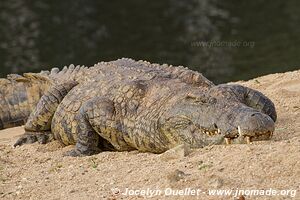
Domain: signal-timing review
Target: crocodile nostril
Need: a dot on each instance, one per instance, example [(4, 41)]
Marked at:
[(215, 126), (252, 115)]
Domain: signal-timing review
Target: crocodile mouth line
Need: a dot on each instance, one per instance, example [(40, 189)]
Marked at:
[(247, 138)]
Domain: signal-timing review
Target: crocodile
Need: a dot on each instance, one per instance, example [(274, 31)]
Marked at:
[(125, 105)]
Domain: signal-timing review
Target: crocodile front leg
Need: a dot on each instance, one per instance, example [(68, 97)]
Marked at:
[(88, 139), (98, 129), (38, 126)]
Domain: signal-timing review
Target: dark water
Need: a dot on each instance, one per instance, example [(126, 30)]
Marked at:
[(225, 40)]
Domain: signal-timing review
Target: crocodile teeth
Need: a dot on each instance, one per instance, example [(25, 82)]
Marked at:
[(228, 140), (248, 140), (239, 130)]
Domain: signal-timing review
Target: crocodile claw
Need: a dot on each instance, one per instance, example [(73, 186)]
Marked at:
[(29, 138), (26, 139), (248, 140), (73, 153), (77, 153)]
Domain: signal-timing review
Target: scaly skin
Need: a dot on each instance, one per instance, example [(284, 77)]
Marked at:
[(127, 104), (18, 97)]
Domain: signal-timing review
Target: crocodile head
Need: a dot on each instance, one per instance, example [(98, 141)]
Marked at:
[(222, 114)]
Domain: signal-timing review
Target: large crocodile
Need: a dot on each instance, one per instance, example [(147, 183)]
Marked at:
[(126, 104)]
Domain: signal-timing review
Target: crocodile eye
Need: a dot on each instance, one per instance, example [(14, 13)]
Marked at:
[(179, 122), (182, 124), (195, 99)]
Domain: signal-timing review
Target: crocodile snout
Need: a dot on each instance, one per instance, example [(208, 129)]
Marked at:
[(251, 126), (256, 126)]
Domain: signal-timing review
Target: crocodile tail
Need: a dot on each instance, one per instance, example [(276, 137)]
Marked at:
[(72, 72), (18, 96)]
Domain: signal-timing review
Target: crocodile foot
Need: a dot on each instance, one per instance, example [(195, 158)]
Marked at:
[(77, 153), (32, 137), (73, 153), (82, 150)]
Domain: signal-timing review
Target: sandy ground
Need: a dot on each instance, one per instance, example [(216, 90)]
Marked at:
[(41, 172)]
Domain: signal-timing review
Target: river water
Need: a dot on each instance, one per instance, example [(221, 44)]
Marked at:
[(225, 40)]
